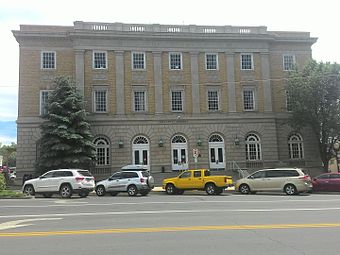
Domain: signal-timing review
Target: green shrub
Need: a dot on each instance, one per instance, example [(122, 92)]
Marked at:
[(2, 182)]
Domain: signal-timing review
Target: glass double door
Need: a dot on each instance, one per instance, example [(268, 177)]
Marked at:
[(179, 158), (216, 155), (141, 155)]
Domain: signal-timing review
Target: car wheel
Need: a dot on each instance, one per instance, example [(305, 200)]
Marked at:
[(219, 191), (114, 194), (210, 188), (290, 189), (170, 189), (65, 191), (29, 190), (83, 194), (47, 195), (132, 190), (180, 191), (100, 191), (244, 189), (144, 193)]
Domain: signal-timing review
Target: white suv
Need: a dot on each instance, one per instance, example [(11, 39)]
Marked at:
[(62, 181), (132, 182)]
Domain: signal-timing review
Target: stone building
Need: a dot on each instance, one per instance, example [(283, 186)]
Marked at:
[(161, 94)]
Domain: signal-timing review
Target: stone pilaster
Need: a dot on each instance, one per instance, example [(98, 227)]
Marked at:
[(120, 102), (80, 73), (267, 92), (157, 70), (231, 81), (195, 83)]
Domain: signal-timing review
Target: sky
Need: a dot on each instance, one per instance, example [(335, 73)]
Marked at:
[(320, 18)]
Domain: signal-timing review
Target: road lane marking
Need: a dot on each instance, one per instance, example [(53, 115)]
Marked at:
[(167, 212), (83, 204), (20, 223), (168, 229)]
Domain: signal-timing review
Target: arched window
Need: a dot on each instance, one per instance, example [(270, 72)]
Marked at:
[(103, 151), (253, 147), (140, 140), (178, 139), (215, 139), (295, 146)]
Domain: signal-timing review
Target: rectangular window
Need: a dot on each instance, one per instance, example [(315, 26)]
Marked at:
[(288, 62), (44, 101), (99, 60), (138, 61), (246, 62), (48, 60), (288, 102), (100, 101), (176, 100), (175, 61), (139, 101), (211, 61), (213, 100), (248, 100)]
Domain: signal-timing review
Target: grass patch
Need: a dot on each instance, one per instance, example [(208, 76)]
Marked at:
[(11, 194)]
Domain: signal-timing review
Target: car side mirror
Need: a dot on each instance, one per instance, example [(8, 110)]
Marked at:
[(251, 177)]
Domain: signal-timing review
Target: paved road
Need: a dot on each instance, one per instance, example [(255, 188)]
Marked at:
[(193, 223)]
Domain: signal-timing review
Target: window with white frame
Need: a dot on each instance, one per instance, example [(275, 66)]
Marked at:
[(99, 60), (139, 100), (289, 106), (295, 146), (248, 99), (213, 100), (176, 100), (138, 60), (175, 61), (48, 60), (247, 61), (288, 62), (44, 102), (102, 151), (253, 147), (100, 100), (211, 61)]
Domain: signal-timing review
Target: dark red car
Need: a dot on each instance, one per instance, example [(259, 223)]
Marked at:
[(327, 182)]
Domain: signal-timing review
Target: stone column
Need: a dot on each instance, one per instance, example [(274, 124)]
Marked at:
[(157, 73), (231, 81), (80, 72), (267, 92), (195, 89), (120, 102)]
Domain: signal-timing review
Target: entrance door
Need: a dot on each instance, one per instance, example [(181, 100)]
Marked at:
[(179, 153), (216, 152), (140, 151)]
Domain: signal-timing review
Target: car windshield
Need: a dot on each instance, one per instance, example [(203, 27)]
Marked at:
[(84, 172)]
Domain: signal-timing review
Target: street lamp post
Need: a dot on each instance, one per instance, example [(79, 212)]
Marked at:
[(336, 147)]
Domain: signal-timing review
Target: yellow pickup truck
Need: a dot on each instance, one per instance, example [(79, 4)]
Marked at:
[(199, 179)]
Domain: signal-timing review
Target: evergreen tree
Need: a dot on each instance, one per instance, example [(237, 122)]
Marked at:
[(66, 140), (314, 94)]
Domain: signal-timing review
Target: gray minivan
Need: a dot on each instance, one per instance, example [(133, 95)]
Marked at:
[(289, 180)]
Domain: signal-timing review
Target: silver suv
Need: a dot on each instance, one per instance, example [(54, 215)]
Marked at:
[(289, 180), (62, 181), (132, 182)]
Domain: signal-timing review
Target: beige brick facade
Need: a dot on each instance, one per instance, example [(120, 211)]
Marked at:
[(74, 49)]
